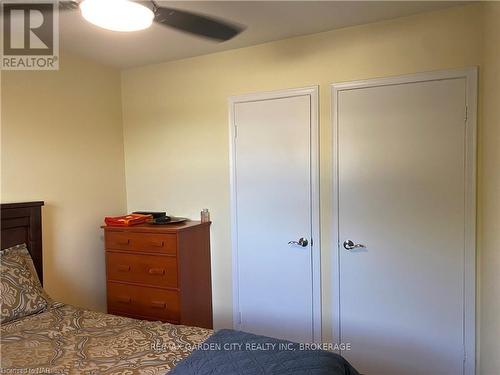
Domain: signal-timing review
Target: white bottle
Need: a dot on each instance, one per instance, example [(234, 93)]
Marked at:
[(205, 215)]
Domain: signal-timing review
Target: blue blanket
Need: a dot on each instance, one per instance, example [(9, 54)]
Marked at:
[(229, 352)]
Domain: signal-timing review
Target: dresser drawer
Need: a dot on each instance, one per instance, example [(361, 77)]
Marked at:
[(148, 302), (151, 242), (153, 270)]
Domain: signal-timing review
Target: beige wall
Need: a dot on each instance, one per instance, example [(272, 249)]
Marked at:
[(489, 194), (62, 142), (176, 124)]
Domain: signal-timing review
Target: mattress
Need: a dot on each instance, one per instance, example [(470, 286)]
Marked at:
[(70, 340)]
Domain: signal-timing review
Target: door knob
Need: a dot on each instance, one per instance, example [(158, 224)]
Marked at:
[(350, 245), (301, 242)]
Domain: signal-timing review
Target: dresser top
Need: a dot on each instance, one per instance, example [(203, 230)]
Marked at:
[(149, 228)]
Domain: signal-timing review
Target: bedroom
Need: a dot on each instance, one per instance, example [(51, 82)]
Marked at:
[(124, 125)]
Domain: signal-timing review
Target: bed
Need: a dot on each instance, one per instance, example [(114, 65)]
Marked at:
[(63, 339)]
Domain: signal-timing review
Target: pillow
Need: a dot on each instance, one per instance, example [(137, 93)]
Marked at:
[(21, 293)]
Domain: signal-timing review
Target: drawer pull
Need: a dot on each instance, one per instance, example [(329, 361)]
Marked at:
[(123, 299), (123, 268), (158, 305), (158, 243), (156, 271), (123, 242)]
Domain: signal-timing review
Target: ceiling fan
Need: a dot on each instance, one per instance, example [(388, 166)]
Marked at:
[(127, 15)]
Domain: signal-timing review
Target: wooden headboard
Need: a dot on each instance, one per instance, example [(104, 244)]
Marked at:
[(22, 223)]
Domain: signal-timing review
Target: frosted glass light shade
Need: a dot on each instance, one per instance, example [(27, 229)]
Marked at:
[(117, 15)]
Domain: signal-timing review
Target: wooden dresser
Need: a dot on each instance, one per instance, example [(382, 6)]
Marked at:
[(160, 272)]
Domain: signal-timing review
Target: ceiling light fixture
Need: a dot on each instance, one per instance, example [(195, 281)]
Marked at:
[(117, 15)]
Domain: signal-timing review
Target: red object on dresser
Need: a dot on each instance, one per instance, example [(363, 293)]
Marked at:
[(127, 220)]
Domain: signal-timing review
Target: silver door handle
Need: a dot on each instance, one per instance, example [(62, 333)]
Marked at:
[(350, 245), (301, 242)]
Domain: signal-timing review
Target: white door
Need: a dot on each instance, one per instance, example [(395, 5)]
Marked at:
[(402, 199), (273, 205)]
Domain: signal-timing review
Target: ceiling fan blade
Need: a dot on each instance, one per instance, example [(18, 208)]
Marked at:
[(196, 23), (68, 5)]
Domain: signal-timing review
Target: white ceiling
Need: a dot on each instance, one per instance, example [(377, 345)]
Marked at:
[(265, 20)]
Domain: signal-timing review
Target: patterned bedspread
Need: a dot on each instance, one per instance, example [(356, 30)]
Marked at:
[(69, 340)]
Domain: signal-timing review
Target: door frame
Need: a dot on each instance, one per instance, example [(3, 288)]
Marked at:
[(313, 93), (469, 287)]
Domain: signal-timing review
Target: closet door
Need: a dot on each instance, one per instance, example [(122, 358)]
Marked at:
[(402, 226), (273, 205)]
